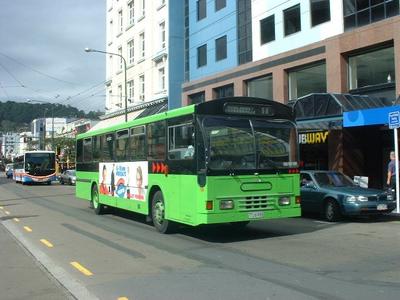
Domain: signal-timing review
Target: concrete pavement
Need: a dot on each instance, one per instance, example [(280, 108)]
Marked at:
[(22, 277)]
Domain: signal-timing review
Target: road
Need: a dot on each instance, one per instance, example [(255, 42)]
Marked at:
[(119, 256)]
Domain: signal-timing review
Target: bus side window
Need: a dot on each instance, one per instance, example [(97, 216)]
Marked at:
[(156, 140), (79, 151), (121, 145), (181, 142), (137, 145), (107, 147), (96, 148), (87, 150)]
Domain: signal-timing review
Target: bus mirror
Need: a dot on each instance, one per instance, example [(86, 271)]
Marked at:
[(202, 177)]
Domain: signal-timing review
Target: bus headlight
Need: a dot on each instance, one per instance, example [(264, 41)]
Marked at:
[(284, 200), (226, 204)]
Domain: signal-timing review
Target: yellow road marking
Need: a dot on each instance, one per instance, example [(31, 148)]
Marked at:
[(7, 212), (27, 228), (16, 219), (47, 243), (81, 268), (123, 298)]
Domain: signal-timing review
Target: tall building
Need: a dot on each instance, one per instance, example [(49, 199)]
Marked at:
[(333, 59), (150, 37), (9, 145)]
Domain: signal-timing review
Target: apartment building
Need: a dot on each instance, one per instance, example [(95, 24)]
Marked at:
[(149, 36)]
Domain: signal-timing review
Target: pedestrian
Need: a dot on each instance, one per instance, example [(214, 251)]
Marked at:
[(391, 175)]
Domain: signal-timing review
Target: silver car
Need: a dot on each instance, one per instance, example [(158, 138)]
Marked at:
[(68, 176)]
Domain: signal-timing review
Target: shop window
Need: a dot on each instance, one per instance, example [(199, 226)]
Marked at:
[(307, 80), (320, 12), (358, 13), (196, 98), (260, 87), (292, 20), (267, 29), (224, 91), (372, 68)]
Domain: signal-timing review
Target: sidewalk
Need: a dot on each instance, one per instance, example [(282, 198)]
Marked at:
[(21, 276)]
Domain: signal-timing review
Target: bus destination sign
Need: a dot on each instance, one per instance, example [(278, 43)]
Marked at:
[(247, 109)]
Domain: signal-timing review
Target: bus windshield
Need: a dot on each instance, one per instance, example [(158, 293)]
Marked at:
[(40, 163), (243, 144)]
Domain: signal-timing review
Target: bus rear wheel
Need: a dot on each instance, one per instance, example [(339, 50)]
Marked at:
[(97, 206), (158, 214)]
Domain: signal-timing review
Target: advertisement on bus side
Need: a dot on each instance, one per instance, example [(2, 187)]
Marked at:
[(124, 180)]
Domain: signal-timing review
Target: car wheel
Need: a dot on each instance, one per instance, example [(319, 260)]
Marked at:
[(158, 214), (97, 206), (332, 211)]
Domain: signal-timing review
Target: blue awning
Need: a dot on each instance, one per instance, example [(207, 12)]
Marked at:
[(371, 116)]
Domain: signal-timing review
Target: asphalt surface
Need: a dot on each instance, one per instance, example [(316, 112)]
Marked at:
[(119, 256)]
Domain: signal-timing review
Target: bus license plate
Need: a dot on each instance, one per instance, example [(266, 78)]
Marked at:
[(382, 207), (256, 215)]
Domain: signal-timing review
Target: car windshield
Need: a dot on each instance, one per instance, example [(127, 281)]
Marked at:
[(71, 172), (335, 179), (235, 143)]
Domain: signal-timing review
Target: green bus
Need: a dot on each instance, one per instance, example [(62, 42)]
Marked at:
[(230, 160)]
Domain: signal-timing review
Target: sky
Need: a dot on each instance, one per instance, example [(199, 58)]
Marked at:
[(42, 52)]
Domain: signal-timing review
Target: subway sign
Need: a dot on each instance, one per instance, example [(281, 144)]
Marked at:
[(309, 138)]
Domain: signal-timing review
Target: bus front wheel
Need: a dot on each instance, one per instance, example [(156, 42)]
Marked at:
[(97, 206), (158, 214)]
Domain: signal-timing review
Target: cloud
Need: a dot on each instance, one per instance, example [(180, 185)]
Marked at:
[(47, 36)]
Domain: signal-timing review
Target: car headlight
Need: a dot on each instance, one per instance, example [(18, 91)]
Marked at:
[(284, 200), (352, 199)]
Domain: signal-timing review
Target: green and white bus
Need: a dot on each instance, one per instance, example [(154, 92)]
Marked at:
[(230, 160)]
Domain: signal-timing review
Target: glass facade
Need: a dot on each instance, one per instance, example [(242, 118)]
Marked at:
[(260, 87), (307, 80), (363, 12), (245, 48)]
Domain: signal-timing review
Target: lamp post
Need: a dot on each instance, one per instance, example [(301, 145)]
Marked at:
[(52, 122), (125, 83)]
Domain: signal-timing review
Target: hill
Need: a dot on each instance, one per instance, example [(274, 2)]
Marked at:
[(16, 116)]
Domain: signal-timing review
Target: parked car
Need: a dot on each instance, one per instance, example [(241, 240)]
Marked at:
[(334, 195), (68, 176)]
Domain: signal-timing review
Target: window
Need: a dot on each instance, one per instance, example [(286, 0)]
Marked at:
[(267, 29), (107, 147), (142, 45), (96, 148), (162, 35), (307, 80), (131, 91), (121, 145), (120, 58), (202, 56), (141, 84), (260, 87), (320, 12), (219, 4), (244, 31), (131, 52), (156, 140), (137, 139), (196, 98), (87, 150), (358, 13), (120, 22), (224, 91), (220, 48), (119, 104), (292, 20), (161, 78), (79, 151), (131, 9), (372, 68), (201, 9), (181, 142)]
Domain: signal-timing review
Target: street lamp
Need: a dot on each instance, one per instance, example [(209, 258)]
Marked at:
[(52, 122), (123, 59)]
